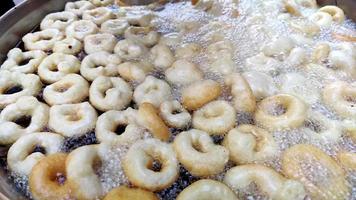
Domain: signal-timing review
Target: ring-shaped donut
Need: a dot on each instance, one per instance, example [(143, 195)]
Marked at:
[(267, 180), (110, 93), (42, 40), (99, 64), (215, 118), (144, 35), (281, 111), (200, 93), (130, 50), (58, 20), (161, 56), (72, 88), (78, 7), (56, 66), (207, 189), (300, 158), (198, 154), (139, 161), (14, 85), (98, 15), (47, 178), (101, 2), (249, 144), (141, 18), (126, 193), (81, 173), (80, 29), (244, 100), (23, 62), (174, 114), (115, 27), (99, 42), (72, 119), (13, 118), (21, 156), (340, 97), (322, 19), (153, 91), (148, 117), (183, 72), (336, 13), (135, 71), (113, 120), (68, 46)]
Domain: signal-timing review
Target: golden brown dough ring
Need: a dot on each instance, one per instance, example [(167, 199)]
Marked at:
[(150, 119), (45, 180), (299, 158), (244, 100), (292, 116), (200, 93), (126, 193), (347, 160)]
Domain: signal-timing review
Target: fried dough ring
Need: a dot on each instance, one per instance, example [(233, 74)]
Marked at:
[(126, 193)]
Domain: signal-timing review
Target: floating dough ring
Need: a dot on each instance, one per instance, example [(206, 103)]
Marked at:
[(116, 27), (78, 7), (198, 154), (188, 50), (80, 29), (153, 91), (267, 180), (126, 193), (139, 160), (135, 71), (148, 117), (98, 15), (281, 111), (244, 100), (21, 156), (322, 19), (347, 160), (248, 144), (200, 93), (57, 65), (116, 120), (334, 184), (336, 13), (68, 46), (110, 93), (130, 50), (220, 49), (58, 20), (207, 189), (99, 64), (72, 119), (42, 40), (81, 173), (47, 176), (23, 62), (99, 42), (162, 56), (25, 108), (340, 97), (139, 18), (143, 35), (174, 114), (215, 118), (183, 72), (14, 85), (72, 88)]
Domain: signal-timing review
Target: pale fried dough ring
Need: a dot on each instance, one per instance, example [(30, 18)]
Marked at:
[(216, 117), (198, 154), (336, 13), (200, 93), (68, 46), (135, 71), (150, 119), (99, 42), (98, 15), (126, 193), (42, 40), (248, 144), (183, 72), (244, 100), (43, 179), (207, 189), (174, 114), (293, 114), (78, 7), (334, 184), (139, 160), (268, 180), (143, 35), (80, 29), (58, 20)]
